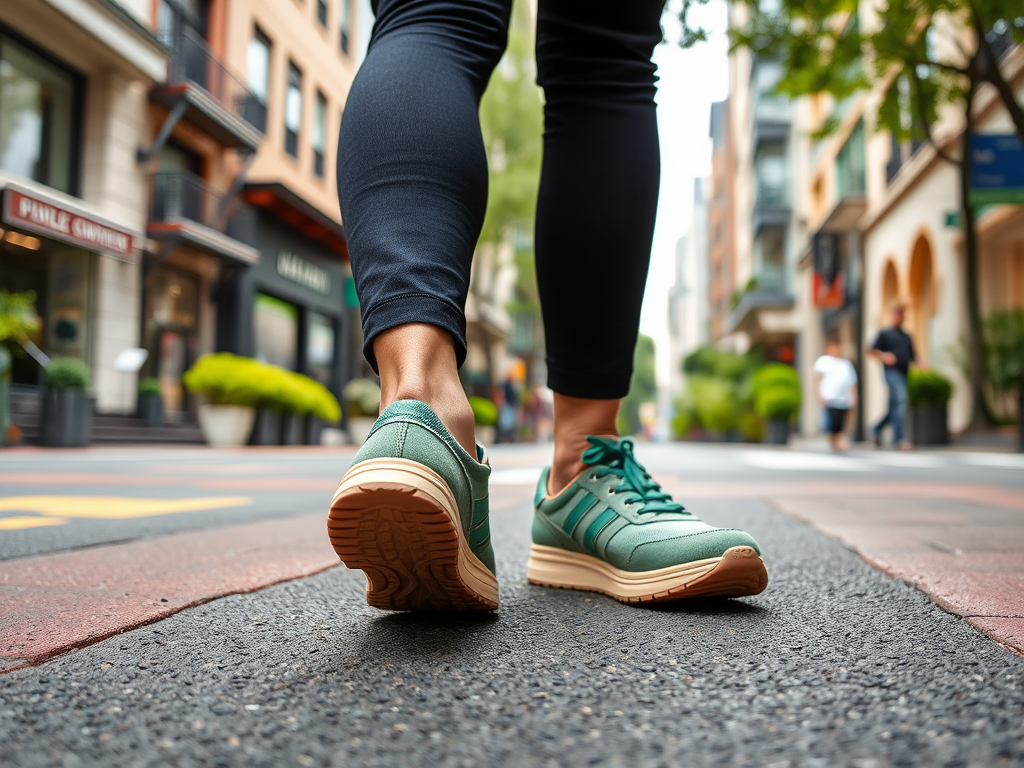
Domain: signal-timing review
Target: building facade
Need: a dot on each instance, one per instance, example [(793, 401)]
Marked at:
[(167, 176), (74, 83)]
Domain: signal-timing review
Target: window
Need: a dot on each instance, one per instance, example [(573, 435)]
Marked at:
[(257, 64), (275, 331), (321, 12), (319, 134), (772, 175), (38, 126), (850, 164), (346, 25), (320, 343), (293, 111)]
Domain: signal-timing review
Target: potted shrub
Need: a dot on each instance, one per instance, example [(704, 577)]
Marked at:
[(714, 405), (777, 397), (18, 321), (150, 406), (485, 415), (67, 409), (230, 386), (362, 406), (928, 395)]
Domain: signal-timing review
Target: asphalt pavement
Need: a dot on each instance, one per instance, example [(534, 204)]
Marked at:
[(835, 664)]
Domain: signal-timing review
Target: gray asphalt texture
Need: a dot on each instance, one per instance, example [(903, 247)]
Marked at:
[(836, 664)]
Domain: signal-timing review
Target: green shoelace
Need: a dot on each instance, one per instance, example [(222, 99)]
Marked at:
[(615, 457)]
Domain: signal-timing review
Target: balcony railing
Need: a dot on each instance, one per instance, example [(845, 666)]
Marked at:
[(769, 108), (771, 279), (772, 196), (192, 61), (177, 196)]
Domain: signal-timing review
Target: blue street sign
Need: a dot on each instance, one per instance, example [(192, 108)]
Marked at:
[(997, 169)]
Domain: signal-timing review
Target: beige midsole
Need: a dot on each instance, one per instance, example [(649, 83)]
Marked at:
[(405, 473), (560, 568)]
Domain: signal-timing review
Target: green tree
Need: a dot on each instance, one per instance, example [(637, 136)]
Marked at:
[(643, 387), (922, 55)]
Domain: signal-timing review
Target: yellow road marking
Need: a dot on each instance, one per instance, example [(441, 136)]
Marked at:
[(18, 523), (57, 509)]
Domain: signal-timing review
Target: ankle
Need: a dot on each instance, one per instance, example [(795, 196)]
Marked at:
[(576, 419), (417, 362)]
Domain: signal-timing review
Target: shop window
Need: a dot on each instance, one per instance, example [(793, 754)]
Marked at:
[(171, 309), (293, 111), (346, 25), (59, 276), (320, 342), (319, 134), (276, 331), (38, 127)]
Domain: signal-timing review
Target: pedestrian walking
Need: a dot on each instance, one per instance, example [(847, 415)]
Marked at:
[(412, 511), (895, 348), (837, 391)]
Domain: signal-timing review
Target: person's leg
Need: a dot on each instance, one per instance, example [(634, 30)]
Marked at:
[(890, 407), (899, 408), (596, 207), (412, 181)]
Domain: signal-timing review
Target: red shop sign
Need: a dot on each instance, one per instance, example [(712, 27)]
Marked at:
[(45, 217)]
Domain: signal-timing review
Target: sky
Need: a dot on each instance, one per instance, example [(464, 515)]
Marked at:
[(689, 81)]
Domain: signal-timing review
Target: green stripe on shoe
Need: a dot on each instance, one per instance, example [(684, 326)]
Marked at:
[(583, 506), (595, 527)]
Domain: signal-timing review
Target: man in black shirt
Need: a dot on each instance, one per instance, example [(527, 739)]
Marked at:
[(895, 349)]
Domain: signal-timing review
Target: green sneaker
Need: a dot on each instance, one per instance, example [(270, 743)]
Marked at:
[(613, 530), (411, 513)]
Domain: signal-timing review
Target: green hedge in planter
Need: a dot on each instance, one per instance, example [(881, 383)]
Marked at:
[(225, 379), (714, 403), (776, 391), (66, 373), (928, 388), (484, 411), (149, 386)]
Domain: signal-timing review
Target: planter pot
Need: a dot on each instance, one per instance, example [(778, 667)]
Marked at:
[(66, 418), (312, 430), (292, 428), (486, 434), (226, 426), (267, 428), (358, 428), (777, 431), (929, 425), (151, 410)]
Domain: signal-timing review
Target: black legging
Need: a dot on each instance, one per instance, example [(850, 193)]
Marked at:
[(412, 174)]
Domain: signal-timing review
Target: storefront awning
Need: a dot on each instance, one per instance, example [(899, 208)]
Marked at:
[(47, 212), (297, 212)]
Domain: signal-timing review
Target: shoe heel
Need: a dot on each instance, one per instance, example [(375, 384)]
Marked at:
[(398, 522)]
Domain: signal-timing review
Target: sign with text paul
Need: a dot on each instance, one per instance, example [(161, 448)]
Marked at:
[(997, 169)]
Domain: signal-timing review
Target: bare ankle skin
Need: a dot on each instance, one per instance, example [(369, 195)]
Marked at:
[(575, 419), (417, 362)]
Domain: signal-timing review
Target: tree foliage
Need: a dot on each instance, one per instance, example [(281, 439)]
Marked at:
[(643, 387), (512, 123)]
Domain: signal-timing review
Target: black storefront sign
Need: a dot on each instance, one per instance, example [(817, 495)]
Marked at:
[(289, 308)]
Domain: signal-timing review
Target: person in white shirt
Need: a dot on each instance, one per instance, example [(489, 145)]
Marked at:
[(837, 391)]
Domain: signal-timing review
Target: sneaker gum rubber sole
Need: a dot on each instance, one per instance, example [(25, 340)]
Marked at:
[(398, 522), (737, 573)]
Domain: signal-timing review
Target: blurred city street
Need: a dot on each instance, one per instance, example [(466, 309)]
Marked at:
[(202, 618)]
